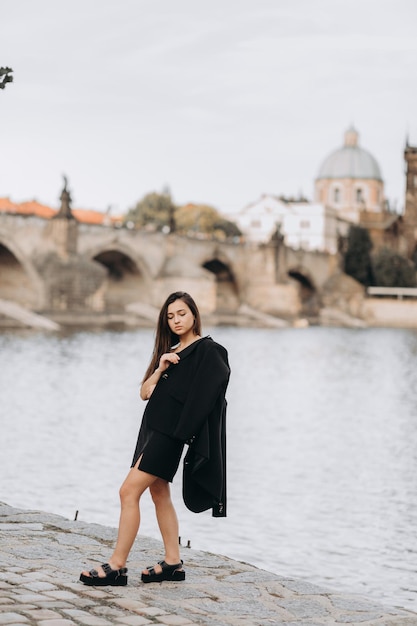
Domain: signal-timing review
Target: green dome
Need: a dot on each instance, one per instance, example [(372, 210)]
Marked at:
[(351, 161)]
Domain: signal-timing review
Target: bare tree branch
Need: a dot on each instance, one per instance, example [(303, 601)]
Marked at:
[(5, 76)]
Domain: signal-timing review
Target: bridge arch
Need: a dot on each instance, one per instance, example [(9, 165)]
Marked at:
[(128, 277), (19, 280), (309, 296), (227, 292)]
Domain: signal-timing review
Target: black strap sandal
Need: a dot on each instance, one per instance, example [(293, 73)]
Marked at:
[(169, 572), (114, 577)]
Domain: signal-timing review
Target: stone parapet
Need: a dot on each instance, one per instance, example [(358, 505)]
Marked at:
[(390, 312)]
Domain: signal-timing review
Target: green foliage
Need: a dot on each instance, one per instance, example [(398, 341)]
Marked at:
[(230, 229), (201, 218), (357, 258), (194, 217), (393, 270), (156, 209)]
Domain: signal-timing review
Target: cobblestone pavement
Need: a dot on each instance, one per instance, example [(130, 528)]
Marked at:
[(41, 556)]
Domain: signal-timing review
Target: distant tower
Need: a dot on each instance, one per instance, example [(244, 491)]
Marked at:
[(350, 180), (63, 227), (410, 213)]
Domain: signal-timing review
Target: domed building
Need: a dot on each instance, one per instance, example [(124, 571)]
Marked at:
[(350, 181)]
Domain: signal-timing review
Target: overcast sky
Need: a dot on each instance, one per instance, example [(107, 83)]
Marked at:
[(219, 100)]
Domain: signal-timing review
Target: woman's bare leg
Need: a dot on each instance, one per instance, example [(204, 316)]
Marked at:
[(167, 521), (135, 483)]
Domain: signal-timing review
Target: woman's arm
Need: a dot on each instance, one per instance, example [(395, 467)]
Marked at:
[(150, 383)]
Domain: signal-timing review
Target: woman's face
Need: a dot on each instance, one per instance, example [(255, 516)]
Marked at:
[(180, 318)]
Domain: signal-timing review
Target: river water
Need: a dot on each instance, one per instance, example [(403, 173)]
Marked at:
[(322, 446)]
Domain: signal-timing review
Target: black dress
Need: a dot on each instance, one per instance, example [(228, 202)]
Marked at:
[(188, 406), (161, 454)]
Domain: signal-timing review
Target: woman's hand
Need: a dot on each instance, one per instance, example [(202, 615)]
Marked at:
[(164, 362)]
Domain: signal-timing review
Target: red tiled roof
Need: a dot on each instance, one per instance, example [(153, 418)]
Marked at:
[(26, 208), (33, 207), (7, 206), (88, 216)]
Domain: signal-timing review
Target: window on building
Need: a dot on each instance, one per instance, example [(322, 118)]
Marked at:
[(359, 195), (304, 224), (336, 195)]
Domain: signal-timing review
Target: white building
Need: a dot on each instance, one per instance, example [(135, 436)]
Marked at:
[(310, 226)]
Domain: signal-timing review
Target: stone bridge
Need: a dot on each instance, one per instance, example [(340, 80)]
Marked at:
[(66, 269)]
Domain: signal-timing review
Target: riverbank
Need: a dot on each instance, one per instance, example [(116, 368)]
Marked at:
[(376, 313), (41, 556)]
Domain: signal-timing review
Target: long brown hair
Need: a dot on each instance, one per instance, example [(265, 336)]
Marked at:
[(165, 338)]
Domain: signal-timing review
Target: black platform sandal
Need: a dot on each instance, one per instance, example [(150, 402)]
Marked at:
[(114, 577), (169, 572)]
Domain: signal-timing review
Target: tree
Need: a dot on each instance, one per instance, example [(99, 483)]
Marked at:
[(230, 229), (5, 76), (201, 218), (156, 209), (357, 259), (393, 270)]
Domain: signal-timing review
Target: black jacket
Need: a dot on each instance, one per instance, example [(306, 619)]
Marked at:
[(189, 404)]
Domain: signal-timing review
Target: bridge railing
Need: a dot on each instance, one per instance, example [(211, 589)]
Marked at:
[(393, 292)]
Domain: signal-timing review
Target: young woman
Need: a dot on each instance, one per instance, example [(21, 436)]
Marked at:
[(185, 386)]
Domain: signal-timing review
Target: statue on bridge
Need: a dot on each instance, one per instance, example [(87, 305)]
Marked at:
[(65, 209)]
